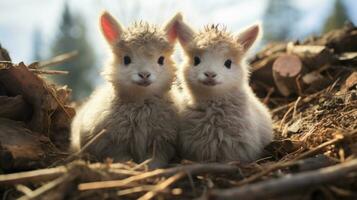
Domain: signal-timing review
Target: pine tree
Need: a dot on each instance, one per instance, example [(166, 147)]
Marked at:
[(37, 44), (71, 37), (337, 18), (279, 17)]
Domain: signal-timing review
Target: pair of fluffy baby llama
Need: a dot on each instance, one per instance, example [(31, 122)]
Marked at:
[(213, 116)]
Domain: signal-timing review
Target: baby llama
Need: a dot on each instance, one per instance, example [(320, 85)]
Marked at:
[(135, 106)]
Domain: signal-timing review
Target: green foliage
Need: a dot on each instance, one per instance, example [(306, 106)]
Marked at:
[(279, 19), (72, 36), (337, 18)]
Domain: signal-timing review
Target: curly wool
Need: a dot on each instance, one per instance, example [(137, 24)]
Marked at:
[(215, 36), (146, 36)]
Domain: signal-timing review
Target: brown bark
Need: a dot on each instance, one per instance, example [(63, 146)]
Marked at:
[(312, 56), (316, 54), (20, 81), (340, 40), (283, 186), (20, 148), (14, 108), (42, 110)]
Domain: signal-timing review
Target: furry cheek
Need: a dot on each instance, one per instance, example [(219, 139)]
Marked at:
[(200, 76), (192, 77), (135, 77)]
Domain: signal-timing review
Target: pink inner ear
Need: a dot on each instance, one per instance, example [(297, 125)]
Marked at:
[(109, 30), (172, 33), (248, 37)]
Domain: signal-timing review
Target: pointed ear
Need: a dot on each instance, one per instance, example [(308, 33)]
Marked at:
[(247, 37), (185, 33), (110, 28), (170, 28)]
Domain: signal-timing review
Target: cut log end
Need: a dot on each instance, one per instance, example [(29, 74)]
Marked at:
[(286, 69), (287, 65)]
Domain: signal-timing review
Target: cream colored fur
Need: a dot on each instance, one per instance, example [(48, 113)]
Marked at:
[(140, 122), (224, 122)]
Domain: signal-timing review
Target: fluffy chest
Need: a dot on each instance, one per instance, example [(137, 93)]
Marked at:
[(136, 127), (212, 132), (215, 121), (141, 120)]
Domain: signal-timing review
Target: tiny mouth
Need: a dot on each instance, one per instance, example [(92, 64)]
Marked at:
[(143, 83), (209, 82)]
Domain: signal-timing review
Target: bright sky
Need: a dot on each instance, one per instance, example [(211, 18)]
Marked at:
[(19, 18)]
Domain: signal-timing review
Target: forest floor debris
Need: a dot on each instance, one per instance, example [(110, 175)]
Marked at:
[(310, 86)]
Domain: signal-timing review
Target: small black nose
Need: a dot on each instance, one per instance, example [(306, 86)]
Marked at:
[(210, 74), (144, 75)]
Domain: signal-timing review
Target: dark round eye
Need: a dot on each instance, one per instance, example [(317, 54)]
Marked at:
[(196, 60), (161, 60), (127, 60), (228, 63)]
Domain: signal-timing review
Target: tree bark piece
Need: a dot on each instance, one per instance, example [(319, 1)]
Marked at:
[(286, 185), (340, 40), (312, 56), (313, 163), (351, 81), (262, 65), (20, 149), (335, 48), (14, 108), (18, 80)]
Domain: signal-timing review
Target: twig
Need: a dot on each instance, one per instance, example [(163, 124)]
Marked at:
[(31, 176), (310, 132), (162, 186), (192, 184), (24, 189), (267, 97), (329, 89), (90, 142), (118, 183), (298, 84), (191, 169), (304, 100), (85, 147), (142, 164), (48, 186), (284, 118), (58, 59), (124, 172), (295, 107), (273, 188), (47, 174), (289, 163), (61, 104), (49, 72), (317, 149), (133, 190)]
